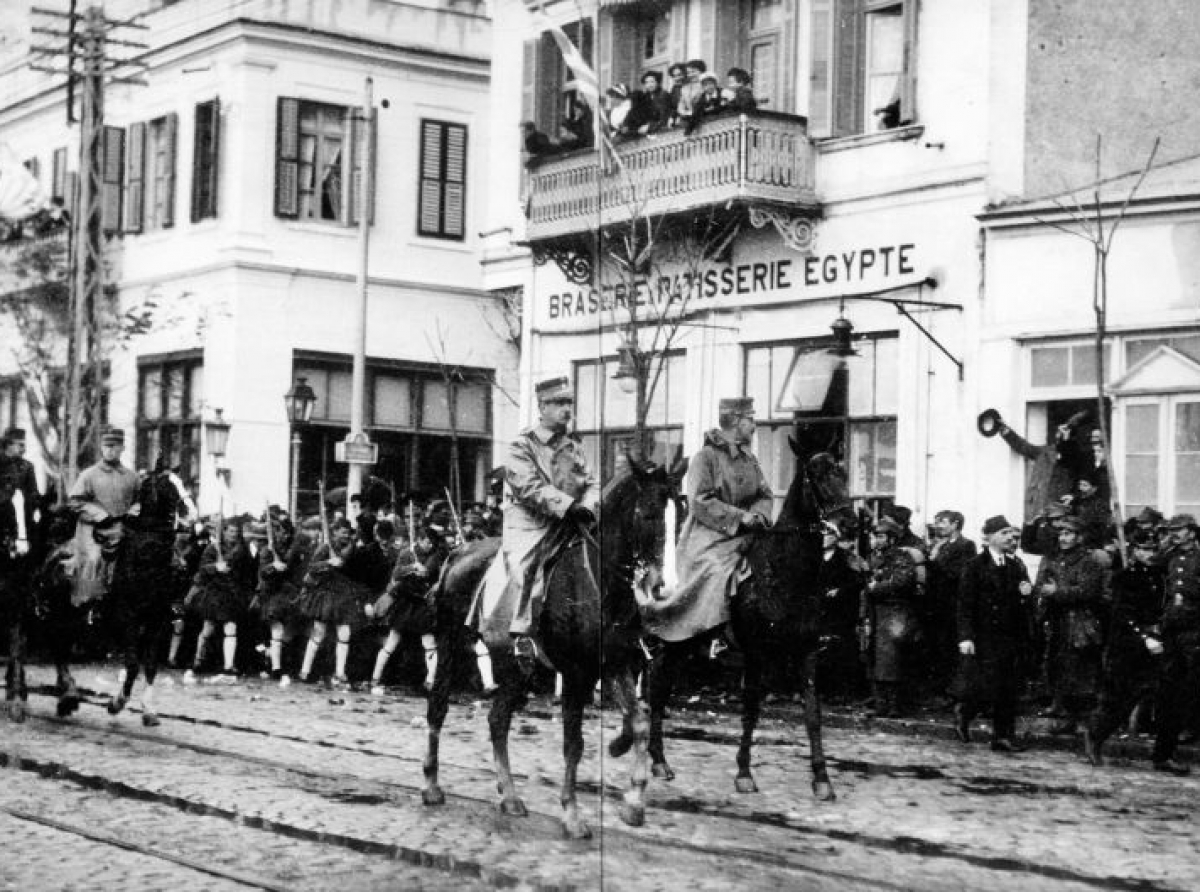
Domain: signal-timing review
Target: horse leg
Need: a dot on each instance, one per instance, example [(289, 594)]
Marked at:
[(751, 700), (633, 808), (435, 715), (16, 692), (577, 690), (151, 641), (509, 698), (131, 633), (660, 675), (66, 621), (822, 788)]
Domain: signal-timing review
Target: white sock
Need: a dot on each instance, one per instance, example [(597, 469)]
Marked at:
[(230, 643), (276, 653), (381, 661), (148, 698), (483, 660), (340, 653), (310, 654)]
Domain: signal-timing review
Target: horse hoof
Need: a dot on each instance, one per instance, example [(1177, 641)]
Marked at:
[(116, 704), (663, 771), (745, 784), (433, 796), (514, 807), (620, 745), (633, 815), (66, 706), (823, 791), (576, 830), (150, 720)]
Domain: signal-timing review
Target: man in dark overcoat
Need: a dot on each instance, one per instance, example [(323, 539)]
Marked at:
[(993, 634), (948, 554), (1181, 639), (891, 609)]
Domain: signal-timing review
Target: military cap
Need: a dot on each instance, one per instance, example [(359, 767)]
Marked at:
[(14, 435), (1182, 521), (556, 389), (888, 526), (112, 434), (995, 524), (899, 513), (1142, 538), (1149, 516), (736, 405), (1070, 522)]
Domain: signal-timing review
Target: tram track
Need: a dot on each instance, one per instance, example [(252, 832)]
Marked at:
[(618, 836)]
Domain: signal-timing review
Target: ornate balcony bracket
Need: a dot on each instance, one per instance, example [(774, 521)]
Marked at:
[(572, 259), (798, 230)]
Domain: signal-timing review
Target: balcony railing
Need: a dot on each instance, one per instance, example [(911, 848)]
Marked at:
[(762, 158)]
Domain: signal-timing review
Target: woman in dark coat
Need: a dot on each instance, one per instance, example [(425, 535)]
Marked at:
[(993, 617)]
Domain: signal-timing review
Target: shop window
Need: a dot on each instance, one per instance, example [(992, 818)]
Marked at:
[(863, 66), (1071, 365), (443, 185), (842, 405), (318, 161), (606, 416), (170, 398)]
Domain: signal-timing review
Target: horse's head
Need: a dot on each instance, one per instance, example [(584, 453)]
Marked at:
[(634, 511), (819, 490), (163, 499)]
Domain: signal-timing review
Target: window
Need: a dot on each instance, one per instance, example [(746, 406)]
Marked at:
[(843, 406), (443, 185), (863, 66), (112, 152), (206, 141), (318, 161), (170, 397), (549, 88), (1162, 454), (10, 396), (58, 180), (150, 174), (605, 416)]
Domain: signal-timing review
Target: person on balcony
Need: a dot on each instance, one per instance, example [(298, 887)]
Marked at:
[(689, 95), (578, 128), (710, 101), (738, 95), (652, 106), (678, 74)]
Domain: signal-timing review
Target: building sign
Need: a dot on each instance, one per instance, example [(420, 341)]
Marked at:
[(710, 285)]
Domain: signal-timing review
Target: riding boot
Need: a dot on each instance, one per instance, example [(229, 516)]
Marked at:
[(483, 659)]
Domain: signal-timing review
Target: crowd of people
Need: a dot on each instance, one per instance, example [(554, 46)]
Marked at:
[(692, 95)]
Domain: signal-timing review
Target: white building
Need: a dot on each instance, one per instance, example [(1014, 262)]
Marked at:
[(230, 201), (898, 146)]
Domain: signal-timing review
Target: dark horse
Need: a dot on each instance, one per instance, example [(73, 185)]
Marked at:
[(143, 582), (775, 613), (589, 628)]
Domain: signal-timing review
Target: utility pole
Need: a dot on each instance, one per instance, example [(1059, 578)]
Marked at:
[(88, 63), (357, 448)]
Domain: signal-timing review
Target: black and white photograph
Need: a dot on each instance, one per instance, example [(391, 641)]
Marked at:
[(599, 445)]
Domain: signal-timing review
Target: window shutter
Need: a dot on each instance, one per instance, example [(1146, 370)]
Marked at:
[(356, 152), (206, 147), (529, 80), (170, 133), (135, 172), (71, 198), (58, 181), (847, 72), (548, 81), (112, 158), (287, 157), (454, 215), (820, 75), (908, 89), (431, 178)]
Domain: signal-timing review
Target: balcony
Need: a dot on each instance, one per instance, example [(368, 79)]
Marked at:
[(757, 159)]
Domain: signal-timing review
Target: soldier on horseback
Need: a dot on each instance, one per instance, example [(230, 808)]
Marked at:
[(18, 502), (548, 481)]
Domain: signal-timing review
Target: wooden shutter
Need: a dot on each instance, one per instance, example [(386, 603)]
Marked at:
[(908, 87), (356, 161), (112, 158), (135, 177), (170, 132), (820, 76), (205, 159), (529, 80), (58, 178), (287, 157), (443, 192), (549, 83), (847, 71), (455, 202)]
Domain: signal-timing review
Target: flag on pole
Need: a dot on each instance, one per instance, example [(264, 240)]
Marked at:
[(20, 192), (586, 80)]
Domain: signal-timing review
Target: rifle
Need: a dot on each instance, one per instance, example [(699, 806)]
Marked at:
[(454, 515), (412, 527), (271, 534), (219, 533), (324, 517)]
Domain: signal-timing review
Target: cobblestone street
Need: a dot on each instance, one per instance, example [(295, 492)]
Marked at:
[(250, 786)]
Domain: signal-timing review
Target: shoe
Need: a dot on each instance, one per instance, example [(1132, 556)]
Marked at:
[(189, 677), (285, 681), (1003, 745), (264, 675), (962, 727), (1170, 766), (228, 676), (339, 683), (1091, 748), (525, 653), (377, 690), (117, 703)]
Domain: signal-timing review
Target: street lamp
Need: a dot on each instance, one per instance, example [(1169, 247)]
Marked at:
[(216, 442), (630, 367), (298, 402)]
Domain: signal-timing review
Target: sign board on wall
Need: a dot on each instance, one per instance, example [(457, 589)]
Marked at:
[(762, 280)]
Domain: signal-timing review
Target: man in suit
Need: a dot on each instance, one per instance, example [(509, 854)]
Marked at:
[(993, 634)]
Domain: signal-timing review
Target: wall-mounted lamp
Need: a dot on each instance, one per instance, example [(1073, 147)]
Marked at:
[(216, 442)]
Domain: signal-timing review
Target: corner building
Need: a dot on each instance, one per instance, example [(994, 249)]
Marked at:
[(230, 200), (879, 182)]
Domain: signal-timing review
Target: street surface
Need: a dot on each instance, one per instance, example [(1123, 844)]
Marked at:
[(253, 787)]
